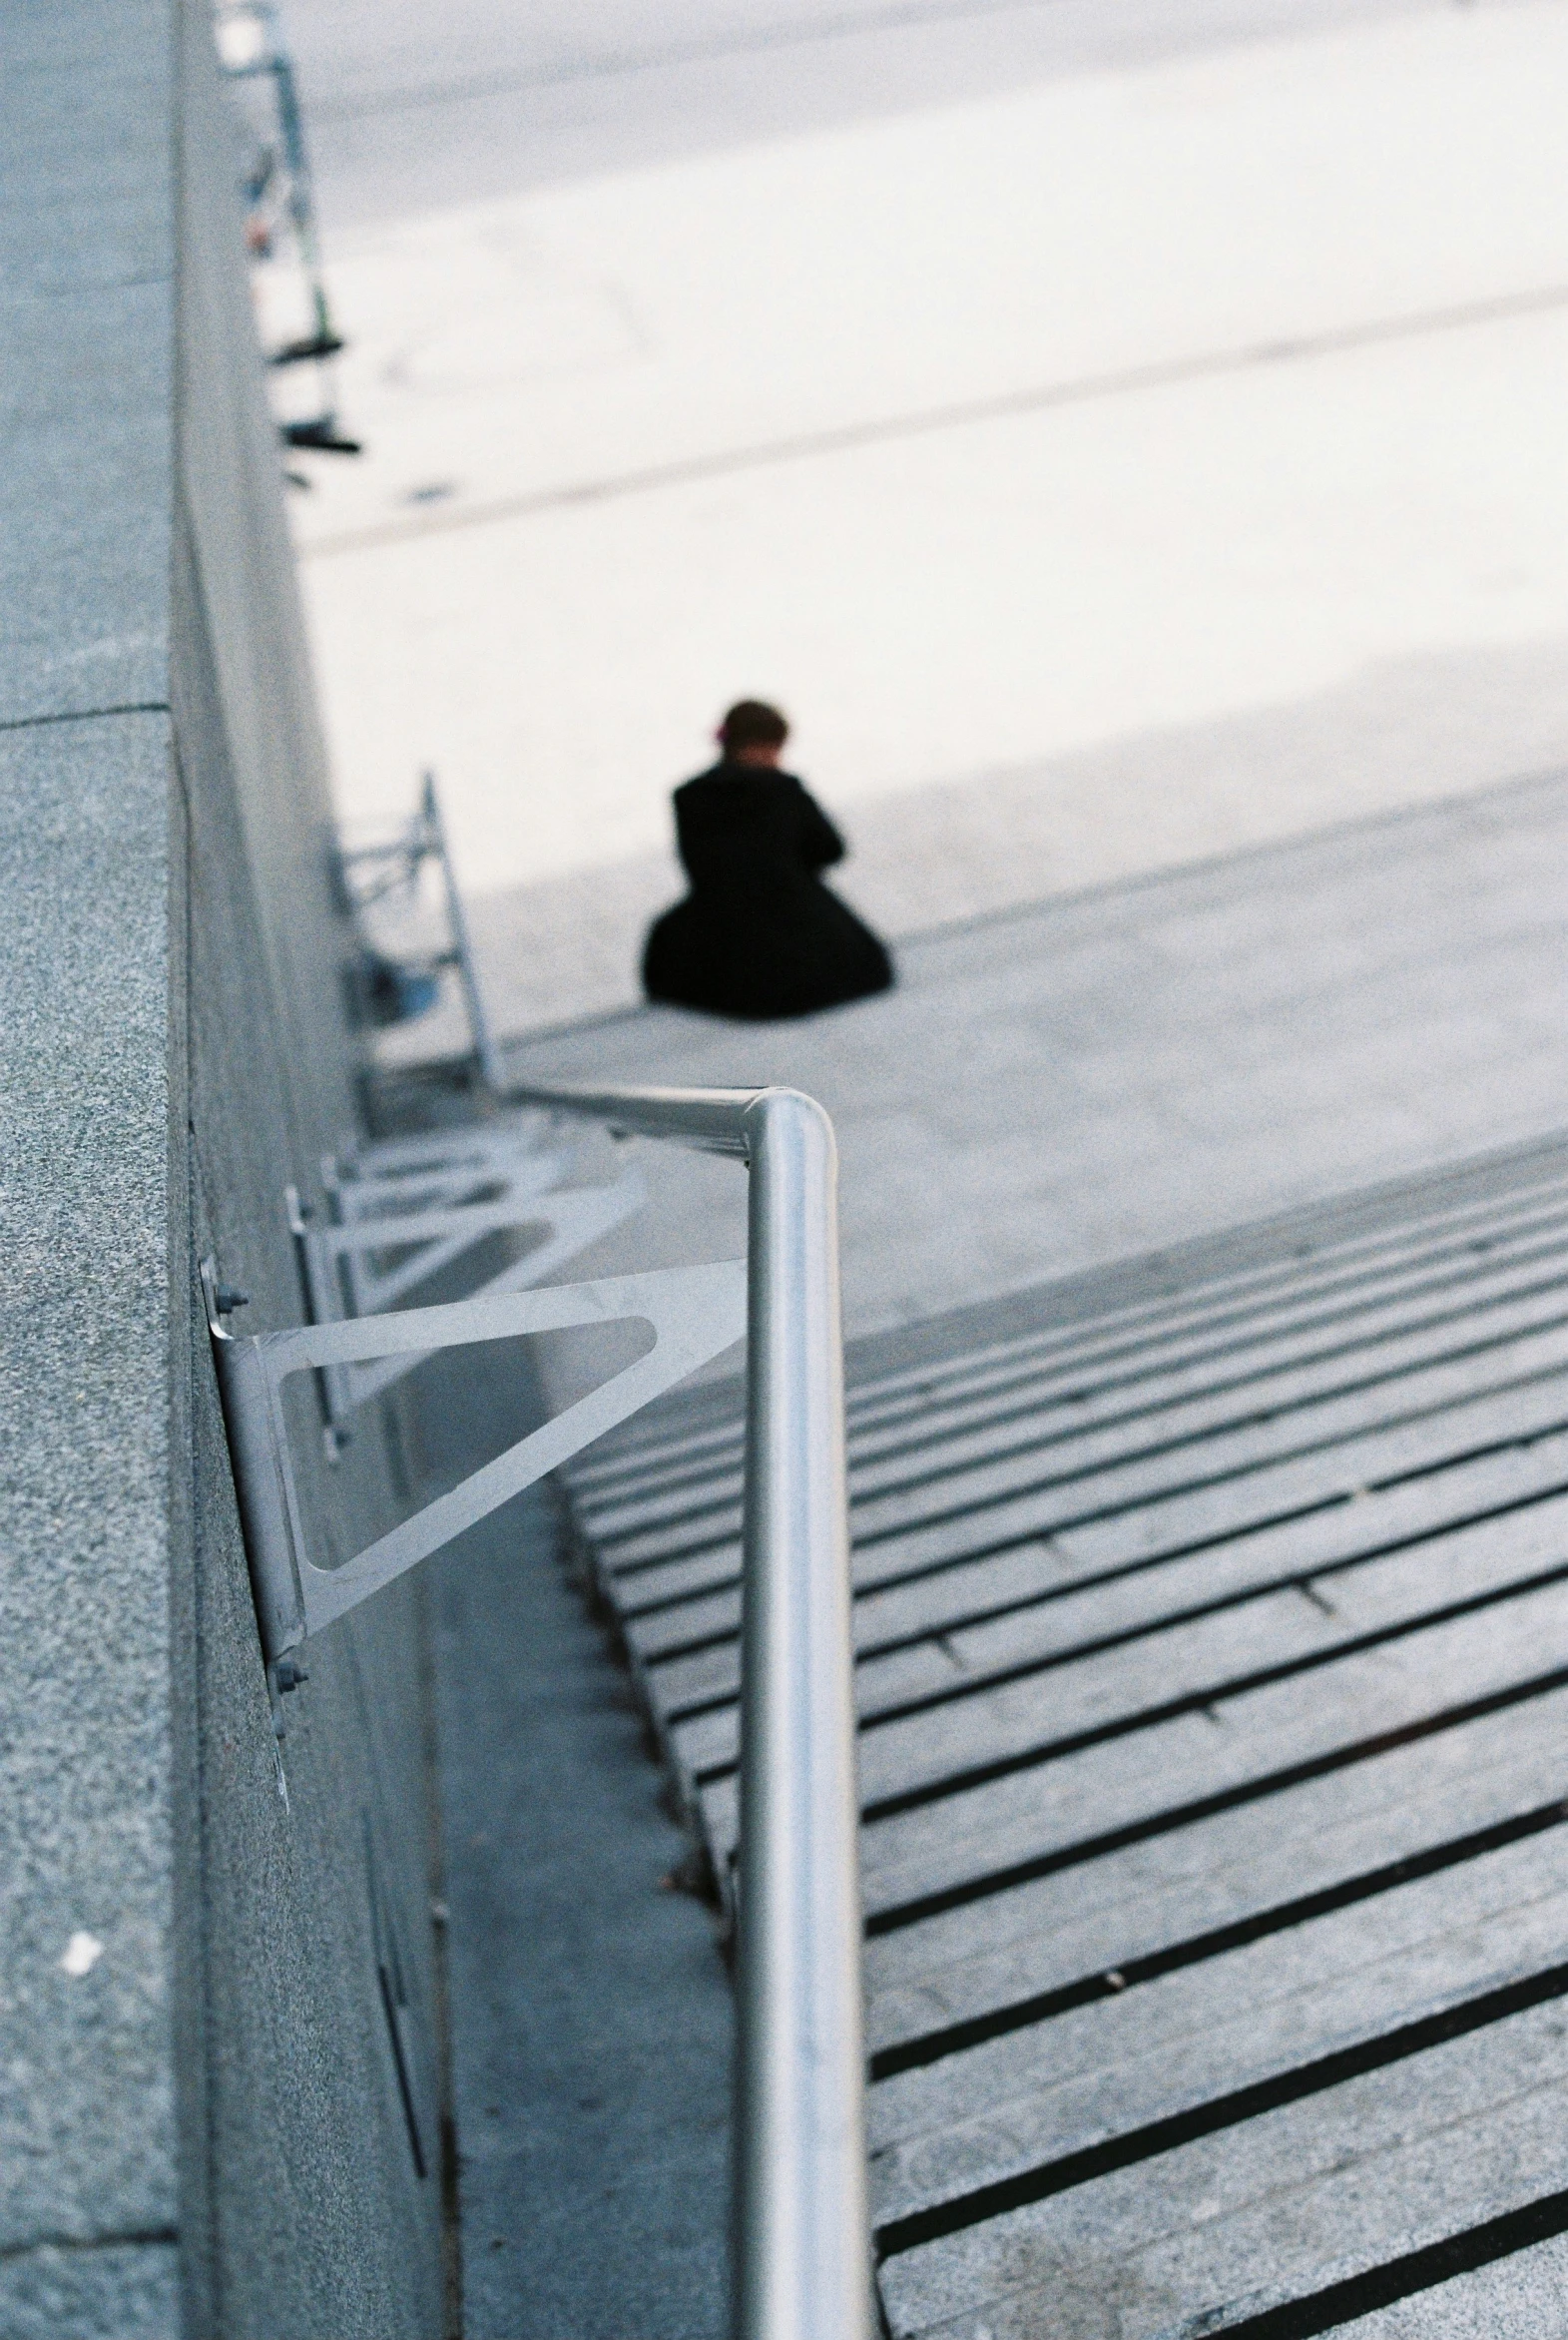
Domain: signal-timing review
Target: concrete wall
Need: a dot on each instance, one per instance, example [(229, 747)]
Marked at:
[(204, 2123)]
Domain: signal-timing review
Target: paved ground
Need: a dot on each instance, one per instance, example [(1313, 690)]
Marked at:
[(1082, 1080), (1010, 390), (591, 2014)]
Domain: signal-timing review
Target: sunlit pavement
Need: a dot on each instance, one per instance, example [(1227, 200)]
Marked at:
[(1064, 456)]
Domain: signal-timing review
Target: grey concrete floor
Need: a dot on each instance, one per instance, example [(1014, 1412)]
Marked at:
[(593, 2015), (591, 2011)]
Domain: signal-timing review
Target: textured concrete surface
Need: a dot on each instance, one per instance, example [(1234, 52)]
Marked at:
[(88, 2199), (202, 2128), (130, 2292), (88, 2138), (306, 1895), (86, 357), (87, 2142), (1097, 1076), (591, 2012), (1522, 2296)]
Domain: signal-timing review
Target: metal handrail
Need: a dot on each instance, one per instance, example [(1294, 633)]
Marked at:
[(802, 2248), (800, 2258)]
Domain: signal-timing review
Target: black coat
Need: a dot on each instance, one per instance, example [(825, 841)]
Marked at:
[(759, 934)]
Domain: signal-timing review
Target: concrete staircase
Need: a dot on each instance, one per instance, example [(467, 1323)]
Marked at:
[(1212, 1628)]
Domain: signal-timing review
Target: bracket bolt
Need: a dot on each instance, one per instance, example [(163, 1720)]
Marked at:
[(226, 1299), (287, 1673)]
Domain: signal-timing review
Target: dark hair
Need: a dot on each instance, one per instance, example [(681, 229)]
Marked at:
[(752, 723)]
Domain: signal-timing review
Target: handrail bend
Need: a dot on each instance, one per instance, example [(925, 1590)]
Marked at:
[(800, 2256)]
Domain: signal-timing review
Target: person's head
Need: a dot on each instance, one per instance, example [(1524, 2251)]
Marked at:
[(753, 732)]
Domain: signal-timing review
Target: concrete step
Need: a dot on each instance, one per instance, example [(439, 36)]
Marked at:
[(962, 1834), (1477, 1203), (1280, 2207), (1145, 2056), (945, 1428), (1070, 1667), (1136, 1514), (1212, 1632), (1319, 1404), (909, 1628), (980, 1970)]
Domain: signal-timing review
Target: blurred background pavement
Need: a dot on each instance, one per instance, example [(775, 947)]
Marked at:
[(1118, 436)]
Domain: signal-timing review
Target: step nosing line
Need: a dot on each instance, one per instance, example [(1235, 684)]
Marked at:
[(1405, 2277), (728, 1465), (1449, 1266), (1104, 1424), (1109, 1424), (1144, 1629), (1307, 1241), (661, 1559), (719, 1638), (926, 1571), (1054, 1594), (1149, 1718), (1484, 1223), (977, 1775), (49, 716), (895, 1917), (633, 1613), (972, 1555), (1230, 2111), (1502, 1252), (1148, 1629), (672, 1480), (1042, 2006), (1514, 1440), (870, 1540), (1182, 1354)]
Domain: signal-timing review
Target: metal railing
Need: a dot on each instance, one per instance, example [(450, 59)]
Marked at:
[(800, 2256), (800, 2224)]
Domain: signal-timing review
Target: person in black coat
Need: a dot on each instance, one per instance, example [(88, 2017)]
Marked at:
[(758, 935)]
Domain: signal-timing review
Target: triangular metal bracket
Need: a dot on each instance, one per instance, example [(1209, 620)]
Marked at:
[(398, 1193), (457, 1141), (340, 1257), (366, 875), (696, 1314), (339, 1280), (360, 1180)]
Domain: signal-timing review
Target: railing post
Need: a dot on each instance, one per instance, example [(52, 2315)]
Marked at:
[(801, 2252)]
